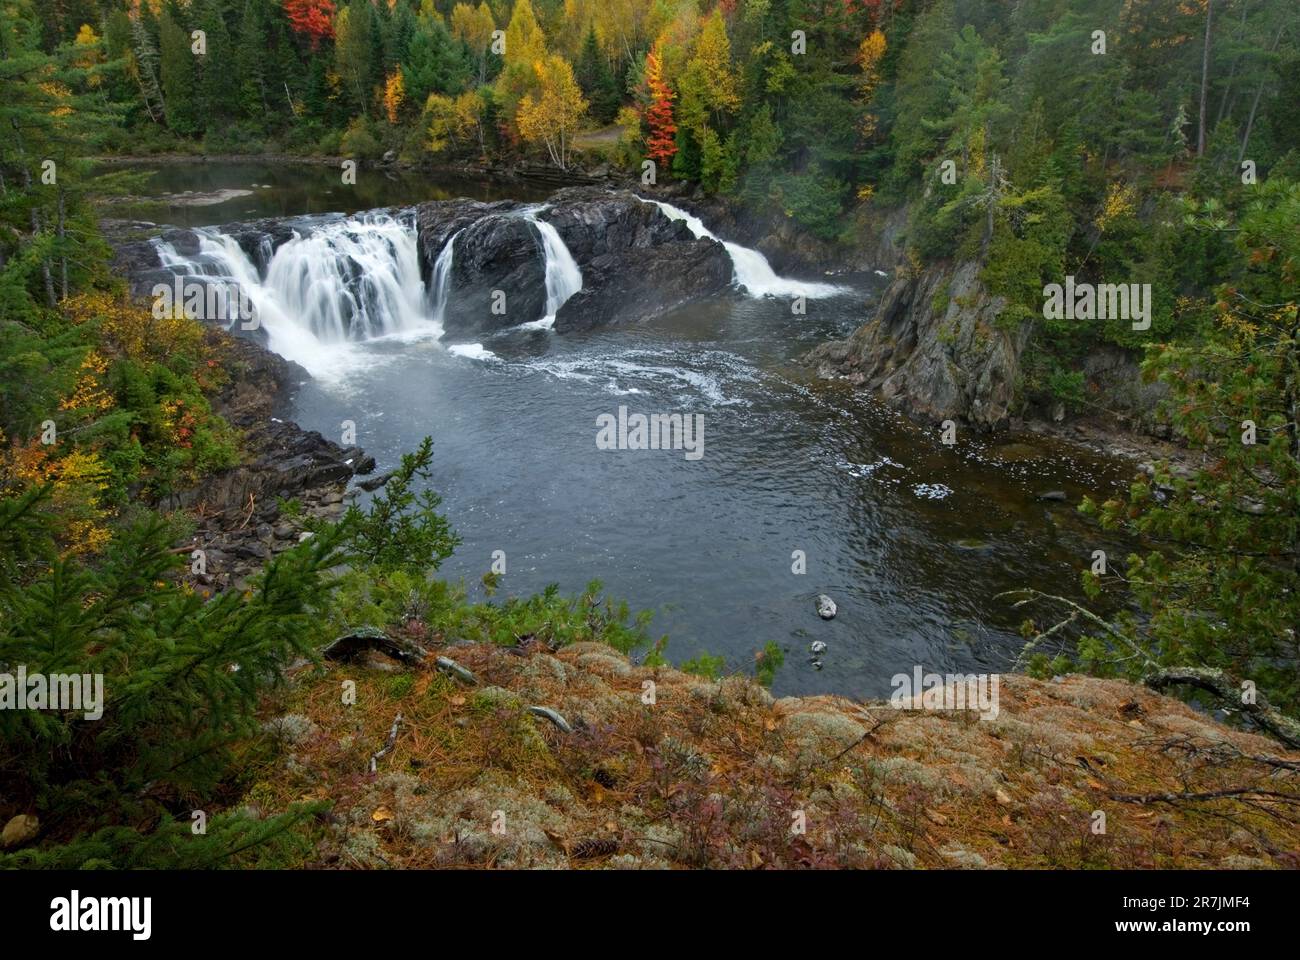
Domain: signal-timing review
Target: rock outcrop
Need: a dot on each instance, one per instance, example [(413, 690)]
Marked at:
[(934, 348), (636, 263), (708, 777), (240, 517), (496, 253)]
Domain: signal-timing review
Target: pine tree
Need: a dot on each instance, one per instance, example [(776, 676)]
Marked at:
[(1219, 582), (52, 116), (177, 69), (596, 80), (218, 84), (146, 69), (434, 62)]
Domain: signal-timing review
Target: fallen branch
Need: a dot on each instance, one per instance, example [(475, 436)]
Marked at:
[(387, 748), (1228, 691), (552, 716), (1251, 792), (1029, 594)]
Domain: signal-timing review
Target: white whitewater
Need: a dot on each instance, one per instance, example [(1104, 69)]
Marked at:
[(442, 279), (752, 271), (563, 278), (350, 280)]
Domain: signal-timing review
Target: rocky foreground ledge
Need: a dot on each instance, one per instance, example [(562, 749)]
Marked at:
[(529, 757)]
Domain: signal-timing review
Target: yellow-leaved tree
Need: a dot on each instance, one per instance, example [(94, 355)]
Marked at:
[(394, 94), (552, 117), (525, 46), (710, 87), (474, 25)]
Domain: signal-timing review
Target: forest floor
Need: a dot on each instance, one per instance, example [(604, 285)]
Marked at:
[(1076, 772)]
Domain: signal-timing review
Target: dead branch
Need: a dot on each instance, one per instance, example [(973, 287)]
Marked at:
[(1228, 691), (387, 748)]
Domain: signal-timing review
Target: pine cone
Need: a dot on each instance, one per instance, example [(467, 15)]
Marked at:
[(593, 847)]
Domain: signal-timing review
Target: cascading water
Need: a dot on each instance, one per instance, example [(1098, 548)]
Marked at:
[(350, 280), (752, 271), (442, 279), (563, 278)]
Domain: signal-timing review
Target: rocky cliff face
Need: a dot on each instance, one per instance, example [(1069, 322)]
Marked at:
[(934, 348), (636, 263)]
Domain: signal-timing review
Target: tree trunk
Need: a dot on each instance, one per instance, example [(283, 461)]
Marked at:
[(1223, 101), (46, 275), (1205, 77), (63, 251), (1259, 92)]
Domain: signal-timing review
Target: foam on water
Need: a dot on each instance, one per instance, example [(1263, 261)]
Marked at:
[(752, 271), (346, 281), (474, 351)]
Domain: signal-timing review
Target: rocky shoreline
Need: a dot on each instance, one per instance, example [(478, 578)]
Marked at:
[(289, 476)]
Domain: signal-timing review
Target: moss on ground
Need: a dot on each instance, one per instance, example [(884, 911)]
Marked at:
[(719, 774)]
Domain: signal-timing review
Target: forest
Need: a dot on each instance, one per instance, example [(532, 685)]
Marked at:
[(1129, 141)]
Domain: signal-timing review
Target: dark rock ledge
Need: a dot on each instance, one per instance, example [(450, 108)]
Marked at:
[(240, 523)]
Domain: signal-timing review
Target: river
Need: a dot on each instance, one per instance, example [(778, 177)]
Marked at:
[(911, 538)]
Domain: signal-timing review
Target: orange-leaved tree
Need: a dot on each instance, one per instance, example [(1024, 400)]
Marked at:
[(661, 144)]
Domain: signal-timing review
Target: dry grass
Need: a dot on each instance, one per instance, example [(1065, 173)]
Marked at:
[(720, 775)]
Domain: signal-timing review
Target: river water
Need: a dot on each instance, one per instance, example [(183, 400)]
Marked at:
[(912, 539)]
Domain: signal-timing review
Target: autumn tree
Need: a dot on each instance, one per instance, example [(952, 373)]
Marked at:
[(661, 143), (552, 117), (394, 95), (474, 26), (709, 88), (311, 19), (525, 48)]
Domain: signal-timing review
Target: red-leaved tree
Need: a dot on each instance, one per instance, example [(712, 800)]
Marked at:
[(313, 19), (661, 144)]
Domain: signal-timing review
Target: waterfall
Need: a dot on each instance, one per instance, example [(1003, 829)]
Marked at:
[(350, 280), (563, 278), (442, 279), (751, 269)]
